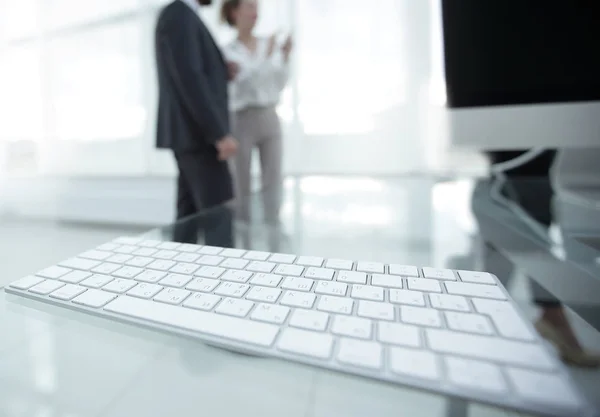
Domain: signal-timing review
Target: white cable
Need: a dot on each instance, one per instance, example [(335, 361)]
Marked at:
[(500, 179)]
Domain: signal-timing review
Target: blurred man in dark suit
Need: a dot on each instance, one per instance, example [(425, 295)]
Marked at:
[(193, 116)]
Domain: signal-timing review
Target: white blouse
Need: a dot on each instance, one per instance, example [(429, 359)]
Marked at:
[(261, 79)]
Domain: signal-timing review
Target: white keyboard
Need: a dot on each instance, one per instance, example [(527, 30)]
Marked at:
[(452, 332)]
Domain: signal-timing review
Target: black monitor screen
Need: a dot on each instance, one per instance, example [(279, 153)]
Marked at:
[(507, 52)]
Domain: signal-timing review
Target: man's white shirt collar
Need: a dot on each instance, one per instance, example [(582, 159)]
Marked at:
[(193, 4)]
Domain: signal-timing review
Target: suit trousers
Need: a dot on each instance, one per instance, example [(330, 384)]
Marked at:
[(203, 187), (258, 128)]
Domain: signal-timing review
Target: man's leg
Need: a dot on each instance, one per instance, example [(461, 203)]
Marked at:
[(184, 230), (210, 185)]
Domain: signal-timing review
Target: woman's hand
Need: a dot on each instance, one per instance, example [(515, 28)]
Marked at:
[(233, 69), (287, 47)]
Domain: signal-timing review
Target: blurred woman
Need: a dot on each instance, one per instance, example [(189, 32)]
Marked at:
[(261, 74)]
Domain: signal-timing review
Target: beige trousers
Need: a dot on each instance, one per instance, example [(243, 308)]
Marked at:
[(258, 128)]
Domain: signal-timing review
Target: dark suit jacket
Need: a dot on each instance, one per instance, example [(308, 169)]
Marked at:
[(192, 75)]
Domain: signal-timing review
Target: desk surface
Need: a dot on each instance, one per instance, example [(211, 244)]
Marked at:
[(55, 362)]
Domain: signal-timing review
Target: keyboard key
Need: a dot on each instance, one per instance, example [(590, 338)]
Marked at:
[(232, 289), (297, 284), (187, 257), (306, 343), (310, 261), (96, 255), (505, 317), (338, 305), (367, 292), (203, 284), (68, 292), (352, 277), (75, 277), (162, 265), (352, 326), (308, 319), (466, 322), (535, 387), (236, 276), (145, 252), (127, 272), (169, 245), (188, 248), (94, 298), (139, 261), (371, 267), (210, 272), (106, 268), (386, 281), (264, 267), (360, 353), (270, 313), (298, 299), (175, 280), (424, 284), (232, 253), (404, 270), (339, 264), (54, 272), (80, 263), (319, 273), (151, 276), (281, 258), (407, 297), (374, 310), (475, 375), (262, 334), (210, 260), (46, 287), (119, 258), (184, 268), (290, 270), (420, 316), (264, 294), (476, 277), (235, 263), (172, 296), (234, 307), (96, 281), (26, 283), (204, 302), (126, 249), (210, 250), (119, 285), (257, 256), (489, 348), (266, 280), (449, 302), (414, 363), (475, 290), (146, 291), (437, 273), (331, 288), (399, 334)]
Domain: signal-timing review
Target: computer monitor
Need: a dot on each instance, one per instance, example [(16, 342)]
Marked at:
[(522, 73)]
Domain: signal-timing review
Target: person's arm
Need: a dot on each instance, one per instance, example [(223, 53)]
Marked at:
[(177, 39)]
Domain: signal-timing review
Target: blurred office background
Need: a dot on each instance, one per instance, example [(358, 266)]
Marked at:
[(78, 101)]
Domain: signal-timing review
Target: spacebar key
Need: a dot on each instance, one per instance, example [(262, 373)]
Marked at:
[(212, 324)]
